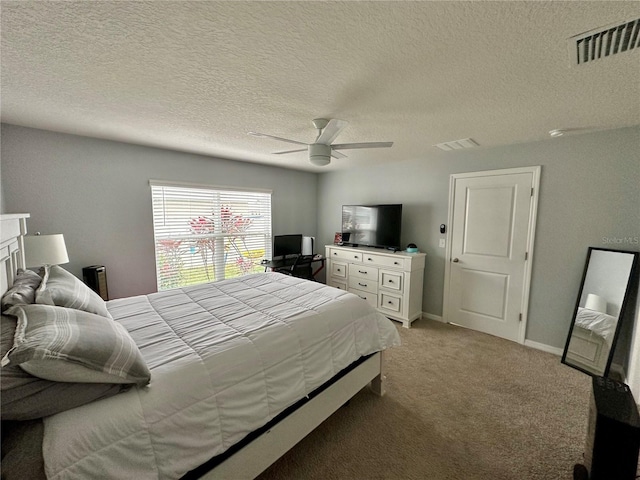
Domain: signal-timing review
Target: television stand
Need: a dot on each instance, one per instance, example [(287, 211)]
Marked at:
[(391, 282), (613, 433)]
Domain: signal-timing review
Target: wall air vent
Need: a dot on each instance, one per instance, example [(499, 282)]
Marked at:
[(457, 144), (604, 42)]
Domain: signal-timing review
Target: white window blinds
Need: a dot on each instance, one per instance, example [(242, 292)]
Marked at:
[(204, 234)]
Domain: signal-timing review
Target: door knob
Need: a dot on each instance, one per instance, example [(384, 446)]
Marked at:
[(455, 260)]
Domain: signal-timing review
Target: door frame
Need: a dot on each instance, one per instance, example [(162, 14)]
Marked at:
[(531, 229)]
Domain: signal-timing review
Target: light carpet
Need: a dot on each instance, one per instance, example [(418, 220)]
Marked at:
[(460, 405)]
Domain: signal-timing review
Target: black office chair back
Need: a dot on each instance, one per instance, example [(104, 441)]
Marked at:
[(301, 268)]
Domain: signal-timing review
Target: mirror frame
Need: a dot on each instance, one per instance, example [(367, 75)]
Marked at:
[(623, 305)]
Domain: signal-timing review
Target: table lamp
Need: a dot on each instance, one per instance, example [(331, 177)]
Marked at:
[(42, 250), (596, 303)]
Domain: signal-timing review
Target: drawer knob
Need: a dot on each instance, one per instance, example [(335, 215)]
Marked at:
[(390, 302), (335, 253), (370, 259), (360, 271), (396, 263), (390, 281)]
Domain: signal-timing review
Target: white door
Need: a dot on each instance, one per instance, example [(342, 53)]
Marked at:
[(492, 218)]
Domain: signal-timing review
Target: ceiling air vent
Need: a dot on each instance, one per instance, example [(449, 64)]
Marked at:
[(604, 42), (457, 144)]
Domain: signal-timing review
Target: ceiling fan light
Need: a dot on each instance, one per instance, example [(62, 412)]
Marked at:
[(320, 160), (319, 154)]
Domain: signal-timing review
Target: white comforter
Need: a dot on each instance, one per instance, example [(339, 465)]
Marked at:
[(598, 322), (225, 359)]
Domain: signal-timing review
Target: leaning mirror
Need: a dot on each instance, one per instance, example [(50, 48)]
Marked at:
[(599, 311)]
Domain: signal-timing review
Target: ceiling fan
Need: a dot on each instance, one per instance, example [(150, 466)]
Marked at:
[(321, 151)]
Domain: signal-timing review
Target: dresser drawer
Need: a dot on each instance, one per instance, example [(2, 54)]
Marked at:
[(339, 270), (391, 280), (337, 284), (363, 284), (363, 271), (391, 303), (371, 298), (345, 255), (383, 260)]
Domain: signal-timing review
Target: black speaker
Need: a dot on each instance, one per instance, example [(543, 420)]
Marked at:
[(613, 432), (95, 277)]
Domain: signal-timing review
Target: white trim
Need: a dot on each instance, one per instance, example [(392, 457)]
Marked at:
[(533, 214), (447, 263), (431, 316), (544, 347), (168, 183)]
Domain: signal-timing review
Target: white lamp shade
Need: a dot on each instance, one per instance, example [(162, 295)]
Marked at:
[(45, 250), (596, 303)]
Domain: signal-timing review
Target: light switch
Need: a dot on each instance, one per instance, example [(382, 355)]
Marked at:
[(442, 243)]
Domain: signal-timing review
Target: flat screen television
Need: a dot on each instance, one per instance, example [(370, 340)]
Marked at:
[(372, 225), (285, 245)]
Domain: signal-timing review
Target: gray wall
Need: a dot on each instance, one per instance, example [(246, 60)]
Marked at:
[(589, 196), (97, 194)]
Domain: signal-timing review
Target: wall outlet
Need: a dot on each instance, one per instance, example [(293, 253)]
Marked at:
[(443, 243)]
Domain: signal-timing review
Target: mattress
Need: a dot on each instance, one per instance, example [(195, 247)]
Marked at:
[(225, 359), (599, 323)]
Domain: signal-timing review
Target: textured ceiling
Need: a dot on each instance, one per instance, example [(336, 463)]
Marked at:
[(197, 76)]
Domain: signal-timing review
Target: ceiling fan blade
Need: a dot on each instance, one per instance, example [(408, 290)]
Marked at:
[(345, 146), (331, 131), (337, 154), (264, 135), (291, 151)]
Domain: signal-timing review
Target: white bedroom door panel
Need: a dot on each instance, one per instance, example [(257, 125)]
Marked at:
[(490, 229)]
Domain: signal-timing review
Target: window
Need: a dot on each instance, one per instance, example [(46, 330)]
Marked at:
[(203, 234)]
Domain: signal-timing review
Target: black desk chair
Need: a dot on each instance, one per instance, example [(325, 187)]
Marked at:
[(301, 268)]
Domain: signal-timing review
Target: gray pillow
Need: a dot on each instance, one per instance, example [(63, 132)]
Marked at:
[(67, 345), (25, 397), (63, 289), (23, 290)]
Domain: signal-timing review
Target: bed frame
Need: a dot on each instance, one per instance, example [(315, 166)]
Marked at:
[(264, 450), (588, 350), (12, 229)]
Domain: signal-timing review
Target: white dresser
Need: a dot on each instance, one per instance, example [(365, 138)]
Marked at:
[(391, 282)]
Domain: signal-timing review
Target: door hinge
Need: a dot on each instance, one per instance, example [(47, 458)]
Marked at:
[(532, 191), (526, 256), (520, 317)]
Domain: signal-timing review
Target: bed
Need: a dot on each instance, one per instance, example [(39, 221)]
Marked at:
[(240, 371), (591, 339)]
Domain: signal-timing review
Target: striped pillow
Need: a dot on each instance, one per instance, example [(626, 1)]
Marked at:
[(66, 345), (23, 290), (63, 289)]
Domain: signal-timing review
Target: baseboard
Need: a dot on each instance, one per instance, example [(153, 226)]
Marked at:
[(528, 343), (431, 316), (545, 348)]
